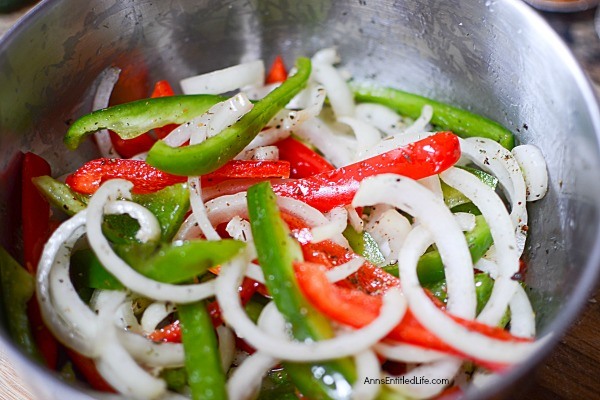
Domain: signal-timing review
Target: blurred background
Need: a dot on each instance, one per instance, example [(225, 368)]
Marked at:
[(572, 371)]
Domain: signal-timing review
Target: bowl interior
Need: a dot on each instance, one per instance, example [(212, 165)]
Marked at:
[(480, 55)]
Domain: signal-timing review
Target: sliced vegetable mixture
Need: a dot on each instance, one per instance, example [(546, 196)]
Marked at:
[(276, 245)]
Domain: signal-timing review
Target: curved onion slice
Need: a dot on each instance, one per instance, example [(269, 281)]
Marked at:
[(226, 79), (411, 197), (339, 93), (116, 365), (342, 271), (233, 313), (116, 266), (383, 118), (154, 314), (108, 78), (437, 371), (522, 317), (422, 122), (366, 134), (407, 353), (495, 159), (338, 220), (246, 379), (226, 339), (533, 165), (152, 354), (367, 366), (502, 230)]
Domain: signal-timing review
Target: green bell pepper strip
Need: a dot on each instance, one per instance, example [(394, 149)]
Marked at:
[(364, 244), (277, 385), (176, 378), (17, 289), (88, 272), (205, 374), (205, 157), (277, 251), (463, 123), (60, 195), (454, 198), (483, 290), (430, 267), (179, 261), (176, 262), (132, 119), (169, 206)]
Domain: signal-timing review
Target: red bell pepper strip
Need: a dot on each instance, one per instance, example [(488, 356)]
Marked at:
[(163, 89), (245, 169), (303, 160), (35, 211), (335, 188), (355, 308), (128, 148), (86, 367), (147, 179), (45, 341), (132, 85), (277, 73), (36, 231)]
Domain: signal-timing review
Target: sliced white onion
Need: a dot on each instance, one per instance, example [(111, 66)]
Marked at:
[(226, 346), (502, 230), (246, 379), (199, 209), (253, 271), (356, 222), (285, 121), (150, 353), (263, 153), (409, 196), (394, 142), (433, 183), (491, 157), (339, 93), (407, 353), (319, 134), (367, 366), (366, 134), (383, 118), (328, 55), (114, 363), (522, 316), (389, 229), (344, 270), (107, 80), (338, 219), (58, 250), (226, 79), (436, 371), (154, 314), (233, 313), (532, 163), (124, 273), (421, 124), (239, 229), (260, 91)]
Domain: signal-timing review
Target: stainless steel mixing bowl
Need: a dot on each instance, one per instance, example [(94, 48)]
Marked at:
[(497, 58)]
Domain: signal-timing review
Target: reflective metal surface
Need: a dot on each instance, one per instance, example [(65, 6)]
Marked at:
[(497, 58)]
